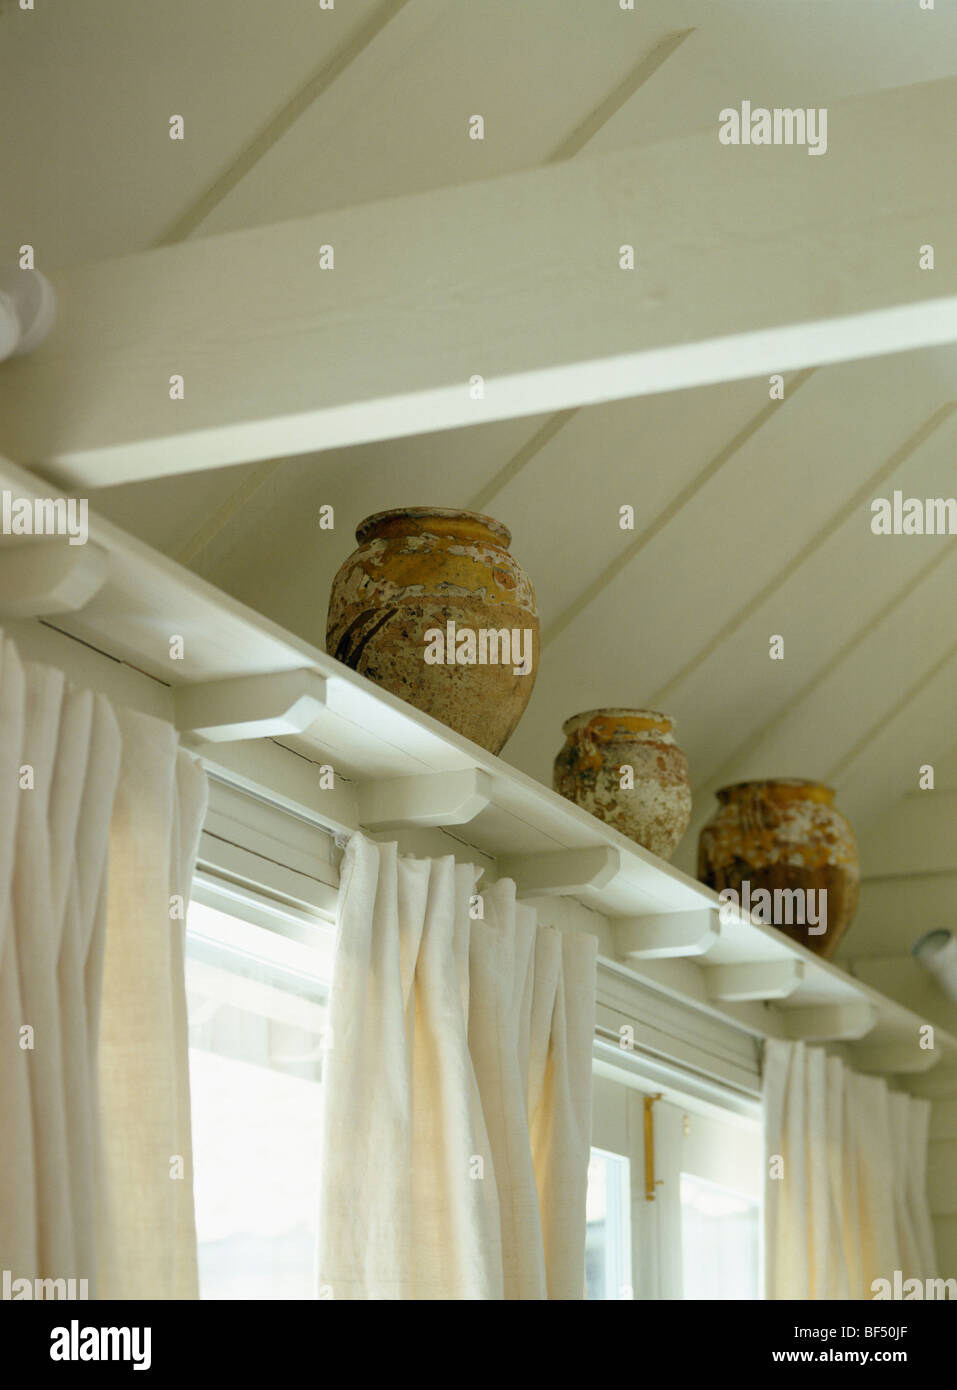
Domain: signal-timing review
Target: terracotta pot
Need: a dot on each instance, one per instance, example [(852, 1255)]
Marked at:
[(778, 836), (655, 809), (422, 608)]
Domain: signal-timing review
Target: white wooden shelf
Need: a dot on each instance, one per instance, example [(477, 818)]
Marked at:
[(243, 685)]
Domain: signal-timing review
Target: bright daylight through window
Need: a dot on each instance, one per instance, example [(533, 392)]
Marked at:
[(256, 1014)]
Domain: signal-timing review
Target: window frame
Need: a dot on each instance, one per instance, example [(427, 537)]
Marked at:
[(619, 1127), (261, 863)]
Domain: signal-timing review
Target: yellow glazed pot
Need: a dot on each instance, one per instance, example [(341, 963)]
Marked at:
[(433, 607), (624, 766), (785, 840)]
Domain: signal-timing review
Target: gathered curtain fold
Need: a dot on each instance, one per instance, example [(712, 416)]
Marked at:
[(456, 1089), (845, 1188), (100, 814)]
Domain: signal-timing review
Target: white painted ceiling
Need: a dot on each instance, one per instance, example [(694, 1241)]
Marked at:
[(752, 516)]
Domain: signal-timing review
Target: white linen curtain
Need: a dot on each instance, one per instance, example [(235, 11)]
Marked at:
[(99, 825), (456, 1090), (850, 1204)]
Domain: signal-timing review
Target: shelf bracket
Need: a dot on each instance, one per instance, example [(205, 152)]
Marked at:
[(559, 873), (896, 1059), (42, 578), (756, 980), (829, 1022), (667, 934), (427, 799), (287, 702)]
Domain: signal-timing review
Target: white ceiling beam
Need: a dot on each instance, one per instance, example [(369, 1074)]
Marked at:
[(748, 261), (365, 75)]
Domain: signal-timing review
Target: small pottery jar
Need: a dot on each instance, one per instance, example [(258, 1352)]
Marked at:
[(433, 607), (777, 845), (624, 766)]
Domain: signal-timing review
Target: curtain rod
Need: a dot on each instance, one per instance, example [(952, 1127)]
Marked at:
[(607, 1036)]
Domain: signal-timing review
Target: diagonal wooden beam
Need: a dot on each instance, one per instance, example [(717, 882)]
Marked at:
[(573, 143), (798, 261)]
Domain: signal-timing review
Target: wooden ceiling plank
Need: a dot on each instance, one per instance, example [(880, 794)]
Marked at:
[(859, 500), (885, 766), (310, 92), (905, 705), (779, 490), (396, 122), (838, 772), (394, 137), (226, 512), (681, 499), (618, 98), (730, 768), (539, 440)]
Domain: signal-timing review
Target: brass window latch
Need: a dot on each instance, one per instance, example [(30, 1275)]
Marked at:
[(650, 1181)]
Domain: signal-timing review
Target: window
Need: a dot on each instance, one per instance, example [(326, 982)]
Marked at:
[(699, 1238), (719, 1183), (719, 1241), (608, 1230), (258, 961), (256, 1000)]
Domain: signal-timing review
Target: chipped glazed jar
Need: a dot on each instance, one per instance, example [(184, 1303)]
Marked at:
[(433, 607), (785, 839), (624, 766)]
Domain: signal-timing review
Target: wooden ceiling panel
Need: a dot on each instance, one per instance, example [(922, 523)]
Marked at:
[(828, 733), (781, 53), (772, 498), (397, 120), (87, 90), (166, 512), (673, 614), (821, 609), (292, 109), (564, 504)]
